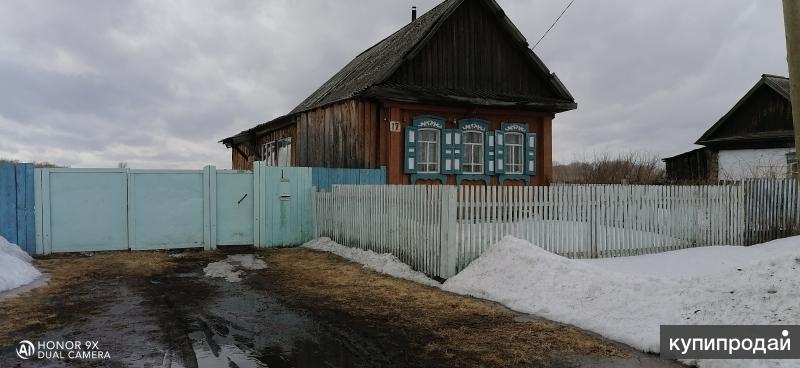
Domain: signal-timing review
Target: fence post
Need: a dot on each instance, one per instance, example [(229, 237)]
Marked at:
[(256, 205), (37, 205), (210, 207), (448, 242), (25, 222), (593, 212)]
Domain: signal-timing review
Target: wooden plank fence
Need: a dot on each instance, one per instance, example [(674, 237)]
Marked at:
[(17, 222), (439, 230), (324, 178), (591, 221), (771, 209), (412, 222)]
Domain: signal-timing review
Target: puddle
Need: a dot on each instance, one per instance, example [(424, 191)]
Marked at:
[(217, 323), (189, 320)]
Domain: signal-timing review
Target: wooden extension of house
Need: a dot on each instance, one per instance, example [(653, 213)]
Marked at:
[(454, 97), (754, 139)]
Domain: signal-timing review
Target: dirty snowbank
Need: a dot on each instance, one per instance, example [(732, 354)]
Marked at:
[(384, 263), (233, 267), (15, 266), (626, 299)]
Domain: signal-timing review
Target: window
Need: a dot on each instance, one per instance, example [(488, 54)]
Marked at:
[(473, 153), (428, 151), (514, 153), (277, 153), (268, 154), (284, 152)]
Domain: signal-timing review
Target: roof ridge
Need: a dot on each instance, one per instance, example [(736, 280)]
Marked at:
[(376, 64), (773, 76)]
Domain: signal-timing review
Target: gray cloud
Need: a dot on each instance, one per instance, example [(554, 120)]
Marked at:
[(157, 84)]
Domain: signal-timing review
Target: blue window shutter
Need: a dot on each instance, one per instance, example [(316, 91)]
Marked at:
[(499, 152), (410, 157), (446, 144), (530, 153), (458, 151), (488, 152)]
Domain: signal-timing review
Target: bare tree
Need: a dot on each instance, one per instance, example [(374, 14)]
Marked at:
[(625, 168)]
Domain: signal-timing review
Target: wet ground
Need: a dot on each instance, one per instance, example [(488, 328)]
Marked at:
[(181, 318)]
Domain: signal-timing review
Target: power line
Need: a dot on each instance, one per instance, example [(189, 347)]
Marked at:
[(553, 25)]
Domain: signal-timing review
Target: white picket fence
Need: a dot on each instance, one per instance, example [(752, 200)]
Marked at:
[(772, 209), (590, 221), (407, 221), (439, 230)]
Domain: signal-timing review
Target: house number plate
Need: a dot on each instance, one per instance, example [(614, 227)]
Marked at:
[(394, 126)]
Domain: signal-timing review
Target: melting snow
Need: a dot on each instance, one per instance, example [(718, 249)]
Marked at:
[(626, 299), (15, 266), (232, 268), (384, 263)]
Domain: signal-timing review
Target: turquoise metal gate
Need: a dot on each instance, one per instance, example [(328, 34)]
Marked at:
[(285, 211), (79, 210)]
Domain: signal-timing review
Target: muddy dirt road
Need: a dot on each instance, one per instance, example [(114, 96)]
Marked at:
[(306, 309)]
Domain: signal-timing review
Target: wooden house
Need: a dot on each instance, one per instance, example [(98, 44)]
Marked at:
[(456, 96), (754, 139)]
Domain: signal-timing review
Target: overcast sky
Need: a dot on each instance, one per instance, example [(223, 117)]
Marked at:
[(158, 83)]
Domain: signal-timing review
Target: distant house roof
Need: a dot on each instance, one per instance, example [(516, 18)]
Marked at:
[(778, 84), (684, 154), (367, 74)]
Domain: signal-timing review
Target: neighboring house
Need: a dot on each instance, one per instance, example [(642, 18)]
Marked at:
[(755, 139), (456, 96)]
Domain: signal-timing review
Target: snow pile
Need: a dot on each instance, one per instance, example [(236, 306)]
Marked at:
[(248, 261), (15, 266), (384, 263), (626, 299), (232, 268)]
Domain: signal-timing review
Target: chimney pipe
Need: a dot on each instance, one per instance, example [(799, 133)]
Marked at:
[(413, 13)]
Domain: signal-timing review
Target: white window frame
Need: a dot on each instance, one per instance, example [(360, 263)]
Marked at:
[(423, 161), (270, 152), (469, 147), (512, 160), (284, 159)]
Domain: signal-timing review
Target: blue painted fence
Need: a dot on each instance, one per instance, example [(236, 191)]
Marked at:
[(17, 223), (80, 210), (325, 178)]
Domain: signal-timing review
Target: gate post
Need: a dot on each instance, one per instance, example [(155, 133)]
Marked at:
[(448, 242), (258, 203), (210, 207)]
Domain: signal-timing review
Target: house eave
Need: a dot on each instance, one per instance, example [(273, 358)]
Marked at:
[(430, 96)]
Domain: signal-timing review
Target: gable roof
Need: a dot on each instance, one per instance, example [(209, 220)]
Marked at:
[(775, 82), (377, 64)]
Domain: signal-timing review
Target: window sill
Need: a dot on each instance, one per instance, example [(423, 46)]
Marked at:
[(526, 178), (441, 178), (485, 178)]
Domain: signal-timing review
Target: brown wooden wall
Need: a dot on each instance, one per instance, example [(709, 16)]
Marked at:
[(242, 160), (698, 166), (253, 152), (472, 52), (355, 134), (764, 111), (538, 122), (343, 135)]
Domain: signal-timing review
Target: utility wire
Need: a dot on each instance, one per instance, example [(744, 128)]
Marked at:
[(553, 25)]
